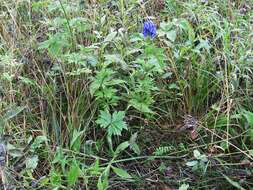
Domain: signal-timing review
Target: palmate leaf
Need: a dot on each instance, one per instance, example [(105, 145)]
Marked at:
[(104, 79), (107, 97), (55, 43), (104, 119), (114, 123), (117, 124), (100, 80), (140, 106)]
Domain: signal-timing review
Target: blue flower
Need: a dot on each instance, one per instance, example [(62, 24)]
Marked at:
[(149, 29)]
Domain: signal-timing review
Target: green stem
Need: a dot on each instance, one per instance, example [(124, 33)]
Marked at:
[(144, 157), (70, 29)]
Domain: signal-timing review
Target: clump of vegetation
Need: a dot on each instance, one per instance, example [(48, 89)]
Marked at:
[(114, 94)]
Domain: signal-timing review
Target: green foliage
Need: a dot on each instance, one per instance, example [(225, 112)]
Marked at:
[(121, 173), (9, 114), (233, 183), (200, 162), (56, 43), (113, 123), (184, 187), (55, 179), (32, 162), (141, 96), (133, 144), (104, 89), (249, 116), (162, 150), (38, 142), (73, 173), (103, 181)]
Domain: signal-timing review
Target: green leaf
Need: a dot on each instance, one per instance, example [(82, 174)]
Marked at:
[(40, 4), (203, 44), (114, 123), (56, 43), (12, 112), (251, 134), (196, 154), (103, 179), (185, 25), (173, 86), (117, 124), (104, 119), (115, 82), (121, 173), (110, 37), (141, 106), (14, 151), (249, 116), (101, 80), (39, 140), (224, 145), (233, 183), (6, 77), (133, 144), (75, 143), (154, 64), (251, 152), (100, 184), (95, 168), (115, 58), (184, 187), (121, 147), (136, 148), (79, 71), (73, 174), (192, 163), (200, 156), (32, 162), (171, 35), (28, 81), (55, 178)]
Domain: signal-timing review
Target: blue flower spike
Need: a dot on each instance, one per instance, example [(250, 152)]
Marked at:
[(149, 29)]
